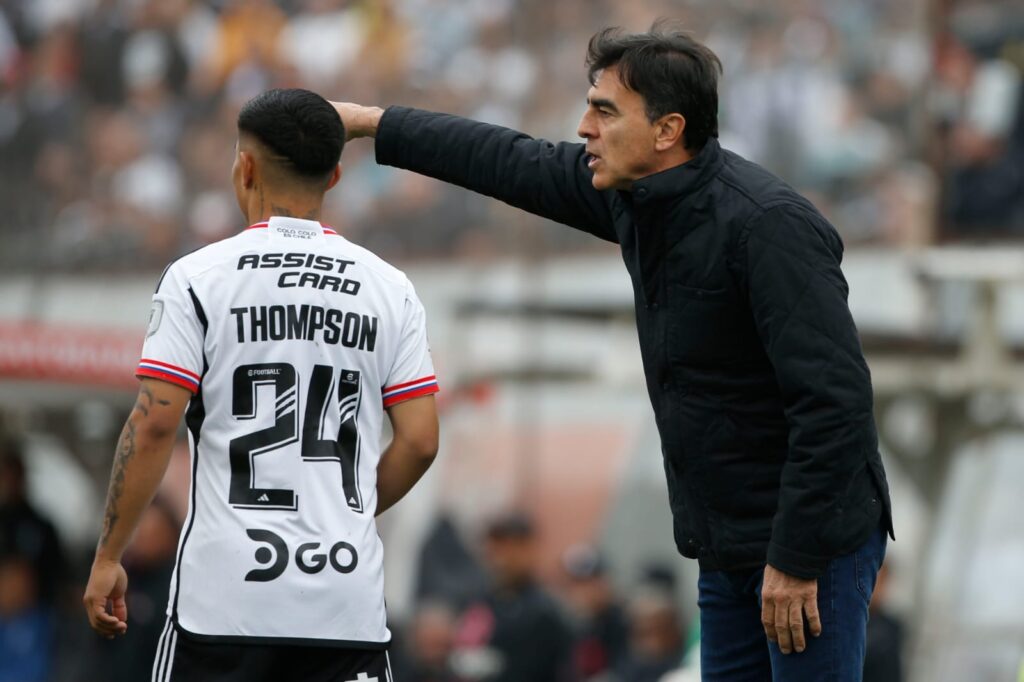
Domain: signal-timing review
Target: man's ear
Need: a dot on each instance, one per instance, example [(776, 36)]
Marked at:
[(668, 131), (335, 176), (247, 167)]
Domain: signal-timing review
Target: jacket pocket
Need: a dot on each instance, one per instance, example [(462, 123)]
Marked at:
[(705, 327)]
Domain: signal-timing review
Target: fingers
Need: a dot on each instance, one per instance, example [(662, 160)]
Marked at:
[(119, 609), (768, 619), (782, 628), (107, 584), (813, 619), (796, 626), (349, 113), (106, 624), (359, 121), (784, 601), (783, 622)]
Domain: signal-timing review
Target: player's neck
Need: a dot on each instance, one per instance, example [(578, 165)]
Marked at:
[(264, 216), (264, 207)]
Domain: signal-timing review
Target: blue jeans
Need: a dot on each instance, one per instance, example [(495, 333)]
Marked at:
[(734, 647)]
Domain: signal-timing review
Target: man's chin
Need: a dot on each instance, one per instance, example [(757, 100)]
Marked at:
[(602, 183)]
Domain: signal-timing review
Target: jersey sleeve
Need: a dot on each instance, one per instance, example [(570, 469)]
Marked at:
[(173, 350), (412, 374)]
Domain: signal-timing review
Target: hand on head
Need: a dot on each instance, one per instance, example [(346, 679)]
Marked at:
[(359, 121)]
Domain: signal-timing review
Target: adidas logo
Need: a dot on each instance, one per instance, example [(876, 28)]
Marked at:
[(352, 500), (263, 498)]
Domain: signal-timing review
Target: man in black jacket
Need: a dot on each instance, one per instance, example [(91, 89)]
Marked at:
[(753, 363)]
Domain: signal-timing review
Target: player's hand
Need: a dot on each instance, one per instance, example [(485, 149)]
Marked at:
[(785, 600), (359, 121), (107, 583)]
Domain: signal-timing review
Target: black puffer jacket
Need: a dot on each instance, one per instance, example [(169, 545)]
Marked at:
[(753, 363)]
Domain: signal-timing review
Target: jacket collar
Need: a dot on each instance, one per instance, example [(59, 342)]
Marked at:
[(684, 178)]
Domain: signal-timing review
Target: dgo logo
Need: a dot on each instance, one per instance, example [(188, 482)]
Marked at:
[(342, 556)]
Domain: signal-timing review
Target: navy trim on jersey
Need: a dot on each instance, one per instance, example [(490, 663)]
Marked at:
[(162, 275), (168, 267), (200, 313), (283, 641), (194, 418)]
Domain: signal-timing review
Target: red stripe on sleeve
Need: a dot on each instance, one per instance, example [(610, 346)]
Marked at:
[(415, 393), (170, 366), (409, 383), (151, 373)]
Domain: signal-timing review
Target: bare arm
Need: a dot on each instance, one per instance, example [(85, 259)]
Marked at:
[(140, 461), (411, 452)]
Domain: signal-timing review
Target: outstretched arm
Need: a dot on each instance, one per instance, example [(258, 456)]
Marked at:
[(548, 179), (411, 451), (140, 461)]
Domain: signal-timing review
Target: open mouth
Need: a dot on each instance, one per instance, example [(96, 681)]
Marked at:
[(592, 160)]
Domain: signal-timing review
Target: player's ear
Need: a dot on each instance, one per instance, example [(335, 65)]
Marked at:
[(335, 177), (247, 168)]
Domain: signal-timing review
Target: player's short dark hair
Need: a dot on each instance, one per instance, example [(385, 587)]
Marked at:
[(672, 71), (299, 126)]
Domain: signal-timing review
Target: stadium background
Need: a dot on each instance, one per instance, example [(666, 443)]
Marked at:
[(903, 121)]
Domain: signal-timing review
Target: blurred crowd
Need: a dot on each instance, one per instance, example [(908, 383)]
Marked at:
[(484, 612), (117, 116), (977, 102)]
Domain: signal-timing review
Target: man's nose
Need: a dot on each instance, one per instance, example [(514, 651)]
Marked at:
[(585, 129)]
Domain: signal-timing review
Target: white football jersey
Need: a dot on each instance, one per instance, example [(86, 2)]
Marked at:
[(294, 340)]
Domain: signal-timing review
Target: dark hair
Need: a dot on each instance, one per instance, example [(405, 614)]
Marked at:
[(668, 68), (299, 126)]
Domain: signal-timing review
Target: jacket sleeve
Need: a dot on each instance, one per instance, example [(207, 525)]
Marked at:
[(798, 298), (550, 180)]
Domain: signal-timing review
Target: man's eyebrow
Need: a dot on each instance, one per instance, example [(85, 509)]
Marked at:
[(601, 102)]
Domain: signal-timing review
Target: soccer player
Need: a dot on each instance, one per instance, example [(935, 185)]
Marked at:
[(284, 346)]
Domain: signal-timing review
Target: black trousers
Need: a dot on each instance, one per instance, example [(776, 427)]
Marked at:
[(182, 659)]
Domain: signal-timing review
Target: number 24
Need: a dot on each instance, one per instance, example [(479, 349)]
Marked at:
[(243, 450)]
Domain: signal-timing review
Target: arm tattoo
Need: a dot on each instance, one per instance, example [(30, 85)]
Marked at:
[(124, 453), (144, 401)]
